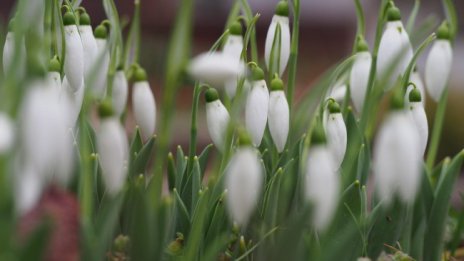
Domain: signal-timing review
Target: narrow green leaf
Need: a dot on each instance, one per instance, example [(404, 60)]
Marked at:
[(143, 157), (172, 172), (412, 17), (36, 245), (196, 182)]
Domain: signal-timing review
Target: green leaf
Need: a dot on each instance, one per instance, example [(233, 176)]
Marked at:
[(181, 166), (143, 157), (35, 246), (196, 182), (412, 17), (136, 144), (182, 216), (203, 159), (172, 172), (132, 47)]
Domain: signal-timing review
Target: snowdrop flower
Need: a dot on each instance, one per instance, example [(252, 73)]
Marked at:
[(417, 83), (243, 181), (216, 68), (395, 50), (321, 180), (217, 118), (359, 76), (7, 133), (279, 114), (120, 90), (335, 131), (53, 75), (74, 62), (143, 103), (76, 99), (28, 187), (102, 61), (338, 92), (113, 150), (89, 44), (397, 156), (257, 106), (417, 112), (438, 64), (233, 47), (280, 19), (9, 50)]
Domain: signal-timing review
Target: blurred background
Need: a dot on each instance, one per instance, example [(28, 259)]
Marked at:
[(328, 29)]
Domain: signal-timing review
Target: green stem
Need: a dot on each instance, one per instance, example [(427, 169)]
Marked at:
[(254, 45), (437, 128), (193, 128), (292, 67)]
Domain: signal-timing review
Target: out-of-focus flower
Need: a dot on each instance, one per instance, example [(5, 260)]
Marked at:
[(75, 98), (9, 51), (217, 118), (233, 47), (335, 131), (280, 19), (257, 106), (143, 104), (89, 45), (359, 76), (102, 61), (74, 61), (417, 83), (120, 90), (279, 114), (438, 64), (417, 112), (7, 133)]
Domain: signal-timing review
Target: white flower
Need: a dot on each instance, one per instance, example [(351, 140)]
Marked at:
[(216, 68), (113, 151), (102, 63), (278, 115), (217, 118), (89, 45), (9, 52), (417, 81), (321, 183), (395, 50), (53, 75), (7, 133), (338, 92), (438, 66), (233, 47), (28, 187), (120, 89), (359, 76), (397, 158), (257, 107), (143, 105), (75, 98), (243, 181), (417, 112), (280, 19), (335, 130), (74, 60)]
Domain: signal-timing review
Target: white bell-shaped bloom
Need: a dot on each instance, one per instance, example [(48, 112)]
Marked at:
[(113, 151), (76, 100), (397, 158), (243, 181), (338, 92), (74, 60), (7, 133), (234, 48), (217, 118), (321, 182), (335, 131), (89, 45), (417, 83), (216, 68), (143, 105), (28, 187), (257, 107), (278, 115), (438, 66), (417, 112), (53, 75), (102, 63), (120, 90), (359, 75), (280, 19), (395, 50)]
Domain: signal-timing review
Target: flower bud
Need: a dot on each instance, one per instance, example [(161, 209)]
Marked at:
[(417, 113), (280, 18), (257, 107), (359, 75), (335, 130), (102, 62), (234, 48), (417, 83), (89, 45), (278, 115), (74, 60), (217, 118), (120, 90), (144, 104)]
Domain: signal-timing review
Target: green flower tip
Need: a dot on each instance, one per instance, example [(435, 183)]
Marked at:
[(105, 109), (415, 95), (397, 100), (235, 28), (244, 138), (11, 25), (257, 73), (140, 75), (361, 44), (120, 67), (443, 31), (282, 8), (68, 19), (318, 135), (211, 95), (54, 65), (277, 84), (84, 19), (121, 243), (393, 14), (334, 107), (101, 32)]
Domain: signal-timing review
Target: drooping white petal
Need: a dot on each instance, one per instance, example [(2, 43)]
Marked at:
[(338, 93), (120, 89), (335, 130), (417, 112), (243, 181), (438, 68), (397, 158), (90, 48), (278, 119), (321, 185), (144, 107), (113, 151), (9, 52), (284, 40), (257, 107), (76, 99), (74, 61), (359, 78), (101, 67), (216, 68), (395, 52), (233, 46), (7, 133), (217, 118), (28, 186), (54, 80), (416, 79)]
